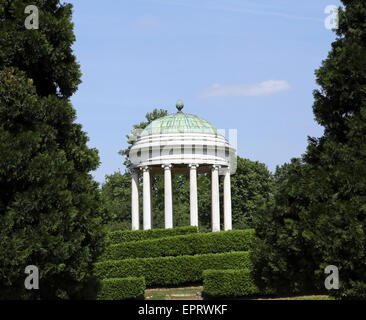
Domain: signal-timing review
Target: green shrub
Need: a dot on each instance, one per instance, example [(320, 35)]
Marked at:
[(229, 283), (117, 237), (122, 288), (197, 243), (171, 270)]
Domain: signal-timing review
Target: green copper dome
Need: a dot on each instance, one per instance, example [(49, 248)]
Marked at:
[(179, 123)]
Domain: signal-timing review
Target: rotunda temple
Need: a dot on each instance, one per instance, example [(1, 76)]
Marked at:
[(181, 143)]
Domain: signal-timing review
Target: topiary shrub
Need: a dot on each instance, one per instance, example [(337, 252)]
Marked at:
[(122, 288), (190, 244), (117, 237), (229, 283), (171, 270)]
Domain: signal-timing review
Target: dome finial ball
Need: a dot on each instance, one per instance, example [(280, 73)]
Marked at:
[(180, 105)]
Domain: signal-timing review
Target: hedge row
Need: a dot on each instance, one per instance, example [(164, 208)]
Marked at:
[(171, 270), (198, 243), (120, 289), (229, 283), (117, 237)]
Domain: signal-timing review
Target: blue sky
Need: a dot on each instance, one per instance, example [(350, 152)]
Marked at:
[(245, 65)]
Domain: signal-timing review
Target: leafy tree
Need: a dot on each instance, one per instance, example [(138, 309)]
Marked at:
[(50, 213), (204, 201), (252, 181), (319, 207), (45, 55), (116, 193), (284, 254)]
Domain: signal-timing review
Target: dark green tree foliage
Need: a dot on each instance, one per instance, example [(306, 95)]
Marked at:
[(284, 253), (252, 181), (340, 155), (45, 55), (116, 193), (50, 213), (319, 208)]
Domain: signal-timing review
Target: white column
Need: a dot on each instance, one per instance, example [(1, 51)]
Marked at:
[(151, 201), (135, 201), (215, 194), (227, 201), (168, 199), (193, 194), (147, 198)]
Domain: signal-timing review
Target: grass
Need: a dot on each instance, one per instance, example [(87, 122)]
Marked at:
[(188, 293), (194, 293), (313, 298)]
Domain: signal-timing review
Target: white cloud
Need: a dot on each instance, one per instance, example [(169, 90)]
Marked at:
[(264, 88)]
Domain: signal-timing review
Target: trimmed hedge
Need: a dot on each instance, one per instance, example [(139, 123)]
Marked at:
[(120, 289), (171, 270), (198, 243), (117, 237), (229, 283)]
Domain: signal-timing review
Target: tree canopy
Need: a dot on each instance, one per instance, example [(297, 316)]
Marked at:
[(317, 215), (50, 213), (44, 54)]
